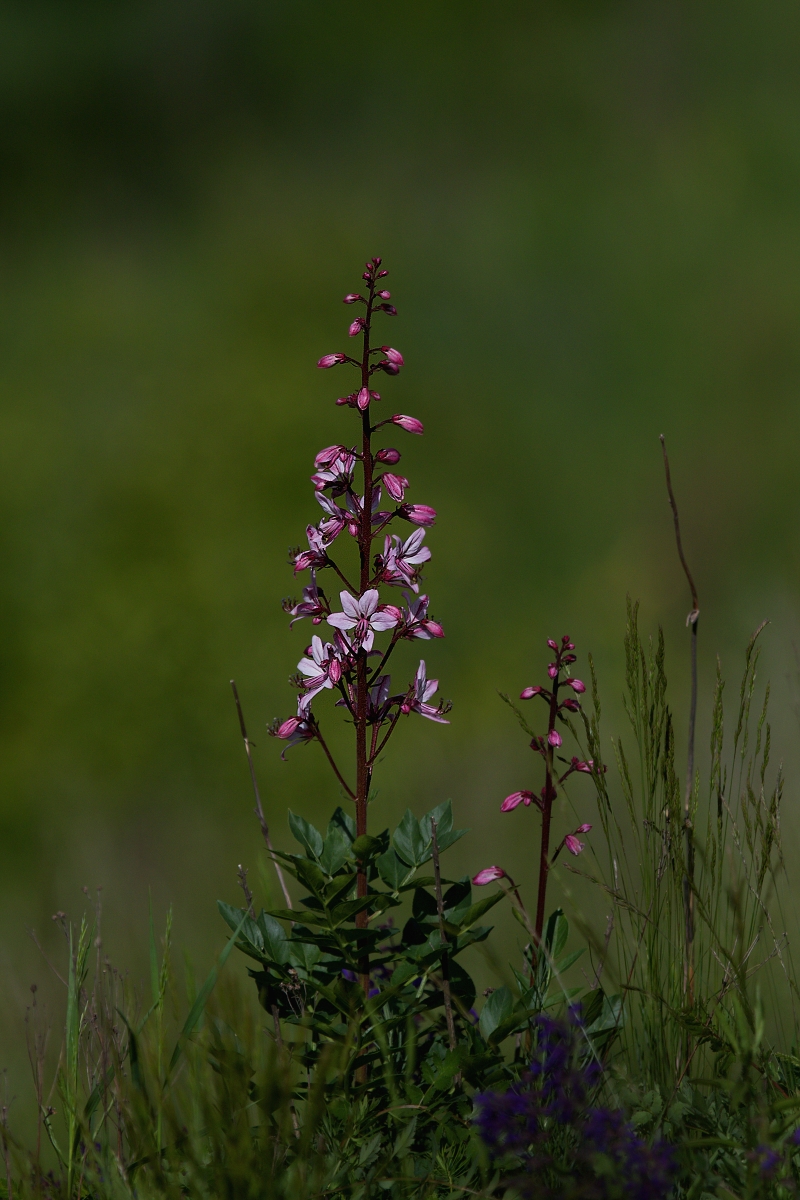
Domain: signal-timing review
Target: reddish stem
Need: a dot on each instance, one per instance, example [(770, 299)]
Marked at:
[(363, 771), (547, 810)]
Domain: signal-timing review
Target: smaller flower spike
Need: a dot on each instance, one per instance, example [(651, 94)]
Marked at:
[(417, 514), (410, 424), (331, 360), (488, 875)]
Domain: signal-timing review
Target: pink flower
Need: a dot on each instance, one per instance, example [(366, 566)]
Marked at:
[(353, 298), (417, 514), (515, 799), (576, 685), (322, 670), (335, 519), (422, 692), (401, 559), (365, 616), (527, 692), (388, 456), (583, 829), (573, 845), (394, 356), (363, 398), (310, 606), (327, 456), (331, 360), (417, 622), (395, 485), (488, 875), (315, 556), (357, 327), (338, 475), (554, 738), (292, 731), (410, 424)]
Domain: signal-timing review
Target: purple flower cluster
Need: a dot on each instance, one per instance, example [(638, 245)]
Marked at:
[(554, 1142)]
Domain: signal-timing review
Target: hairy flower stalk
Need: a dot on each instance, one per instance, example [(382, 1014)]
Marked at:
[(547, 746), (344, 664)]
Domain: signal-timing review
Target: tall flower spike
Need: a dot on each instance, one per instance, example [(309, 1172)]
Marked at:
[(349, 490)]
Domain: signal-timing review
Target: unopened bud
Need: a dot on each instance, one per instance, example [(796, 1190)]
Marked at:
[(577, 685), (410, 424), (356, 327), (388, 456), (394, 356), (362, 399), (528, 692), (352, 298), (417, 514), (488, 875), (554, 738), (331, 360)]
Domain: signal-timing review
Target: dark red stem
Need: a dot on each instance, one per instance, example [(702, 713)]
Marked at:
[(547, 810)]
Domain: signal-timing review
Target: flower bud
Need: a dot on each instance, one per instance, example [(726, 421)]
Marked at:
[(388, 456), (570, 705), (356, 327), (366, 276), (552, 670), (384, 295), (488, 875), (553, 645), (433, 628), (576, 684), (417, 514), (410, 424), (388, 367), (376, 262), (573, 845), (395, 485), (394, 356), (554, 738), (515, 799), (583, 829), (352, 298), (389, 309), (330, 360), (382, 274), (287, 728), (528, 692), (363, 398), (375, 395)]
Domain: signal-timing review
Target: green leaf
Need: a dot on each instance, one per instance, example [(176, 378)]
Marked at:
[(404, 1139), (304, 954), (498, 1008), (408, 841), (345, 822), (276, 947), (251, 939), (423, 905), (392, 871), (196, 1011), (568, 959), (475, 911), (309, 873), (556, 933), (443, 816), (305, 833), (366, 846), (337, 849)]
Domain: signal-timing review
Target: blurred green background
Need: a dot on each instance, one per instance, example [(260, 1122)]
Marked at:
[(591, 215)]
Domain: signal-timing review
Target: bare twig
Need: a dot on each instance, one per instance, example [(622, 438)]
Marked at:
[(448, 1003), (688, 878), (259, 811)]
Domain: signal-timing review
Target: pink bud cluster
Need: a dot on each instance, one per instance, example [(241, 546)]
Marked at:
[(361, 494)]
